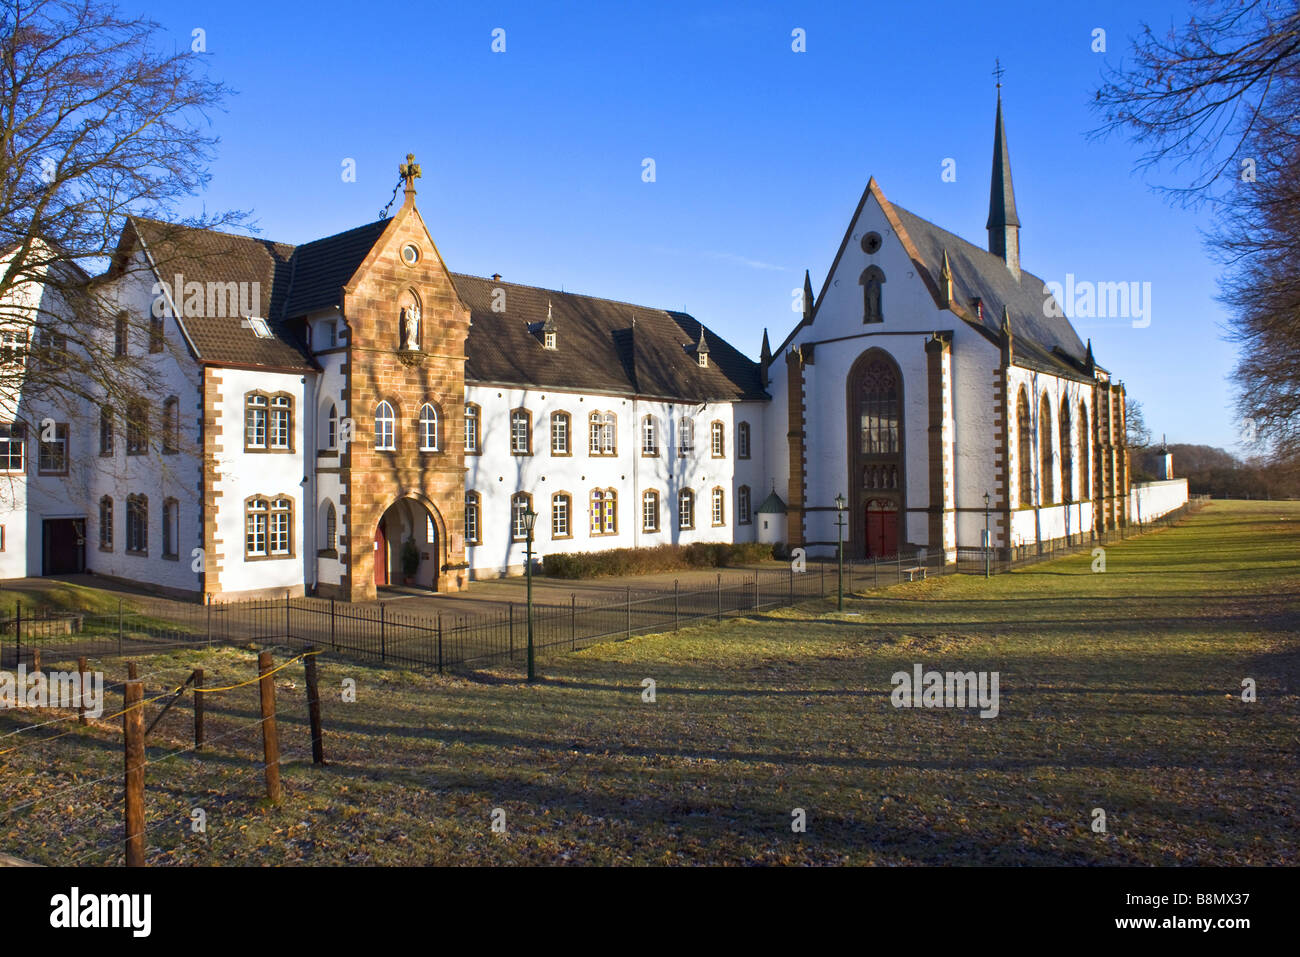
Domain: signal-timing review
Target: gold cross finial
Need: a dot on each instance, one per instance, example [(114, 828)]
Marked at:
[(409, 171)]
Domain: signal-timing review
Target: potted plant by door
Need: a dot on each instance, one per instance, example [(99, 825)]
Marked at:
[(410, 561)]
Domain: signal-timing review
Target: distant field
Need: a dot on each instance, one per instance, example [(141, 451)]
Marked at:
[(1119, 690)]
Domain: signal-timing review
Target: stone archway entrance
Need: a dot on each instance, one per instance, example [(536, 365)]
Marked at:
[(407, 526)]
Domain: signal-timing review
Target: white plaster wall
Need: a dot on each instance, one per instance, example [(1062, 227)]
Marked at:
[(496, 474), (1149, 500)]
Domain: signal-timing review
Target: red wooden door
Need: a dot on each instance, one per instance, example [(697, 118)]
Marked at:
[(381, 555), (882, 531)]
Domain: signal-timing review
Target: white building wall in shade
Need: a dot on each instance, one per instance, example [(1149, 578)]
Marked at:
[(496, 474)]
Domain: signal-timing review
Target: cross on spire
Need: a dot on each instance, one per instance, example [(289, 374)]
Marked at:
[(998, 71), (409, 171)]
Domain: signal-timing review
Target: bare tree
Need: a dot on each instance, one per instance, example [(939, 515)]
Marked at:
[(1135, 425), (97, 122), (1214, 104)]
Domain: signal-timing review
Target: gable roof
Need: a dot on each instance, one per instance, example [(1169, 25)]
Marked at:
[(323, 266), (1041, 341), (602, 345), (208, 256)]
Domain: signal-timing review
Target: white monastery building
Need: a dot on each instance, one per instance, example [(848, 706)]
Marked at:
[(346, 414)]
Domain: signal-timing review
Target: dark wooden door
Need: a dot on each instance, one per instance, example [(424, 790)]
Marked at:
[(882, 530), (64, 546)]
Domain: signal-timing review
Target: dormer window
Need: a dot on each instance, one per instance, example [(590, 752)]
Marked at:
[(702, 350), (703, 358), (549, 340)]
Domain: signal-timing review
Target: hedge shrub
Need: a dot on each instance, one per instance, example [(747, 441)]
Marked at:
[(660, 558)]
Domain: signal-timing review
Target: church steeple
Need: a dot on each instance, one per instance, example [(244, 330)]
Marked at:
[(807, 297), (1003, 224)]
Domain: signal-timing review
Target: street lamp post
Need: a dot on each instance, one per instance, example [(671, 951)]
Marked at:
[(530, 519), (839, 521), (987, 543)]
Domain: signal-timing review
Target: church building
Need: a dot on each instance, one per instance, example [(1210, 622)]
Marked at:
[(347, 414)]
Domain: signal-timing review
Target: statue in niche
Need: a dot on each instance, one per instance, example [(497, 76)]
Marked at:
[(411, 326)]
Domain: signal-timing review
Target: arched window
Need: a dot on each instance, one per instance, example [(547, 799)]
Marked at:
[(471, 429), (521, 504), (331, 541), (718, 507), (332, 428), (428, 428), (743, 516), (603, 434), (106, 430), (649, 437), (137, 427), (472, 519), (561, 509), (742, 440), (521, 432), (650, 511), (1085, 460), (385, 427), (1046, 451), (171, 527), (106, 523), (560, 433), (878, 409), (718, 439), (872, 280), (1024, 449), (137, 524), (171, 441), (1067, 455), (604, 511), (686, 509)]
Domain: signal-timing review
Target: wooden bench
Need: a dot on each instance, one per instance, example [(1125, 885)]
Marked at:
[(916, 571)]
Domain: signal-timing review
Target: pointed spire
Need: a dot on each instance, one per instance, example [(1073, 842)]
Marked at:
[(945, 281), (1089, 361), (1003, 223), (703, 345), (764, 358), (807, 297), (549, 324)]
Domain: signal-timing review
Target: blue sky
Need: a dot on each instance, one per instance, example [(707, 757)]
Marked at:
[(532, 158)]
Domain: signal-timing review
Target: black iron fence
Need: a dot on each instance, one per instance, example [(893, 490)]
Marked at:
[(446, 641)]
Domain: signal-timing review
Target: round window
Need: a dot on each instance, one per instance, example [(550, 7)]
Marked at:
[(871, 243), (410, 254)]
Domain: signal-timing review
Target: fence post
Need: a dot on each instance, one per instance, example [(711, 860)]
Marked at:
[(198, 708), (719, 596), (439, 642), (573, 621), (209, 602), (676, 606), (82, 668), (132, 670), (383, 640), (512, 631), (133, 735), (313, 706), (270, 739), (627, 612), (333, 641)]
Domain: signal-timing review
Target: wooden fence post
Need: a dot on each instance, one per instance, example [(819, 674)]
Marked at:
[(270, 739), (198, 708), (131, 671), (82, 669), (313, 706), (133, 734)]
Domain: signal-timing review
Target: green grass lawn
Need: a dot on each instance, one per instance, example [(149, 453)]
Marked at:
[(1119, 690)]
